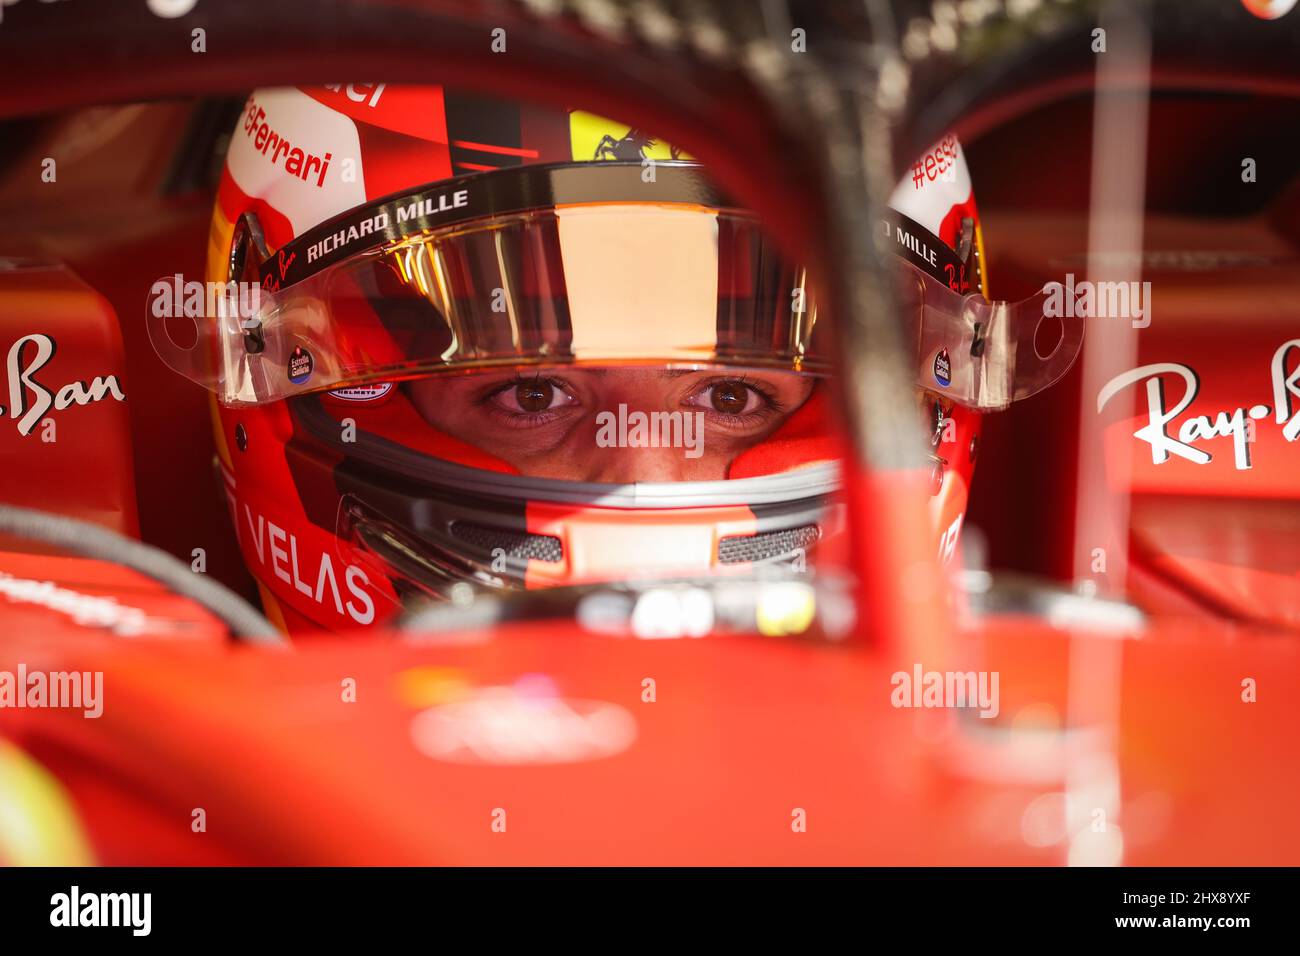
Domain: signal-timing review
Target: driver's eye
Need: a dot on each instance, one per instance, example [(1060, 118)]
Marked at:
[(531, 396), (730, 398), (534, 396)]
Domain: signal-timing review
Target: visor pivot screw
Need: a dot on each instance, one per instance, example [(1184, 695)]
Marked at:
[(967, 239), (241, 438), (254, 339), (936, 477)]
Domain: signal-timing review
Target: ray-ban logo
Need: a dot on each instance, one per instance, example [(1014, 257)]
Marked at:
[(1237, 423), (626, 429), (27, 399)]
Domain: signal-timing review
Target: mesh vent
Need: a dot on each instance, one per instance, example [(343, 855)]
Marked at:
[(766, 545), (516, 544)]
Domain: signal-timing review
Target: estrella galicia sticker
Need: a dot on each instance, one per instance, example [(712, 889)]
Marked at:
[(300, 365), (943, 368)]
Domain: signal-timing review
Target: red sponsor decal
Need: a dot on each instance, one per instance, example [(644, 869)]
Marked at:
[(416, 111), (272, 144), (939, 163)]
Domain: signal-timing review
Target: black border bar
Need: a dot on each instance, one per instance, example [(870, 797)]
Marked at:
[(979, 907)]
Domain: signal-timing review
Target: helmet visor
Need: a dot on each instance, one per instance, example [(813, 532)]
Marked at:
[(600, 282), (586, 264)]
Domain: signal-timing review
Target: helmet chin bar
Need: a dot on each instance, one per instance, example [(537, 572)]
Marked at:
[(412, 564), (429, 523), (431, 564)]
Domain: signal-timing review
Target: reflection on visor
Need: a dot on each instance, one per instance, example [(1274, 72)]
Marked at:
[(607, 283)]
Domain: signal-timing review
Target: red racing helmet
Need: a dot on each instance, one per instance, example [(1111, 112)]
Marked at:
[(501, 345)]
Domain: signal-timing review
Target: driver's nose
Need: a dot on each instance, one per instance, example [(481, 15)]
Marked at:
[(627, 465)]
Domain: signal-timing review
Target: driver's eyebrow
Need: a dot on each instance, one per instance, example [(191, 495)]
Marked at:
[(666, 373)]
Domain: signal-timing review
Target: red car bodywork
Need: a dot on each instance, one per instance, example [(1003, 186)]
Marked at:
[(1178, 736)]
